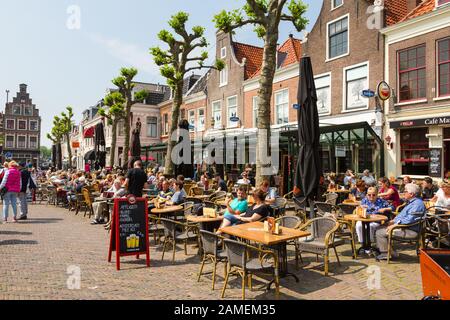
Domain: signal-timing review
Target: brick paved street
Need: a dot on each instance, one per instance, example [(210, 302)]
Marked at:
[(36, 253)]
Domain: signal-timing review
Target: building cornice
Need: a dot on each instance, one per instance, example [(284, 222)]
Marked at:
[(282, 74)]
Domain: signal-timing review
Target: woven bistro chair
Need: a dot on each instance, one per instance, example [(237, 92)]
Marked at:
[(437, 229), (417, 239), (241, 263), (324, 240), (88, 199), (176, 232), (212, 253), (324, 209), (155, 227), (279, 207), (292, 222), (219, 195), (346, 228), (300, 207), (331, 198), (197, 191)]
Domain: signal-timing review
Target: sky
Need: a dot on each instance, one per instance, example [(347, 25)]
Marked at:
[(67, 52)]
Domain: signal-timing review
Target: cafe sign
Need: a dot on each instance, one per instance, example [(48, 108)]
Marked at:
[(420, 122), (384, 91)]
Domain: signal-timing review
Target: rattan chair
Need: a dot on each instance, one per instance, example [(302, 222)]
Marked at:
[(331, 198), (346, 228), (324, 240), (279, 206), (241, 263), (155, 227), (176, 232), (212, 253), (300, 207), (88, 201), (324, 209)]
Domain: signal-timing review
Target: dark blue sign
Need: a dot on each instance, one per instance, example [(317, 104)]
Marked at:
[(234, 119), (368, 93), (296, 106), (191, 127), (8, 155)]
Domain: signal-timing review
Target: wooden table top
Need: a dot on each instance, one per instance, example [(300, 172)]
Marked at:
[(352, 203), (167, 209), (203, 219), (371, 218), (254, 231), (339, 191), (200, 197)]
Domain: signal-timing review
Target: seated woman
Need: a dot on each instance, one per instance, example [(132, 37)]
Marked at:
[(389, 192), (235, 208), (258, 211), (373, 205), (360, 190), (442, 197)]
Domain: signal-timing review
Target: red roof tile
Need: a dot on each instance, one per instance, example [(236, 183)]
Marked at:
[(425, 7), (293, 50), (252, 54), (396, 10)]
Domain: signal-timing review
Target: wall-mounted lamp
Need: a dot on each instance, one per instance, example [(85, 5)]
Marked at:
[(389, 142)]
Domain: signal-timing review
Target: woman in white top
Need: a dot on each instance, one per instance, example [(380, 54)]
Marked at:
[(442, 198)]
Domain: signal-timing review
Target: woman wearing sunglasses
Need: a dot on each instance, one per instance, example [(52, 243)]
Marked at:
[(373, 205)]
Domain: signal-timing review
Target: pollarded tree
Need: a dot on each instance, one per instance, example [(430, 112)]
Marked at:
[(176, 62), (266, 16), (125, 84), (66, 126), (115, 112), (56, 136)]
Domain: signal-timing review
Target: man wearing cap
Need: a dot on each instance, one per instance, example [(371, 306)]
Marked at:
[(27, 183)]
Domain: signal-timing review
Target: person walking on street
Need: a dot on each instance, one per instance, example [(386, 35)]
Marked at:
[(27, 183), (10, 186)]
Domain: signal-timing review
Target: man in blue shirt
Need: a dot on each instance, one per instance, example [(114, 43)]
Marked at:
[(409, 215)]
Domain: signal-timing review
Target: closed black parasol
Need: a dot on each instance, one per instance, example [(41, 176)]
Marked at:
[(309, 168), (100, 146)]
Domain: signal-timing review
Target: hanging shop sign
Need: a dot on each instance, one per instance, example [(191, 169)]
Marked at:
[(420, 122)]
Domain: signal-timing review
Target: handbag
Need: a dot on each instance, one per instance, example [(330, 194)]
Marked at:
[(3, 191)]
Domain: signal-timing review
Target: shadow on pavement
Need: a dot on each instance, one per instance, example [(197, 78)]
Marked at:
[(40, 220), (15, 233), (14, 241)]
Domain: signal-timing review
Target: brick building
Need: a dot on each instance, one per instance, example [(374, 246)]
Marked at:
[(418, 69), (22, 128)]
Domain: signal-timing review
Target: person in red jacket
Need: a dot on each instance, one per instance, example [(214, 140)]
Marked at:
[(13, 183)]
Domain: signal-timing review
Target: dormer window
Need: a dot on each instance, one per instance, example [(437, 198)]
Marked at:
[(441, 2)]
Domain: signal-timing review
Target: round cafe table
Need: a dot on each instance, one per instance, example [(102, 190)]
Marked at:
[(366, 246), (167, 210)]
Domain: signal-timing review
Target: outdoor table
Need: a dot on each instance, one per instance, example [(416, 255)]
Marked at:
[(254, 231), (201, 197), (352, 203), (167, 210), (342, 194), (366, 246)]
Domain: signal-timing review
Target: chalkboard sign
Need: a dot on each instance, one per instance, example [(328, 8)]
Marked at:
[(129, 229), (435, 169)]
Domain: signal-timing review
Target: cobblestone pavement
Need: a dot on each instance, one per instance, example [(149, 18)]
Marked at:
[(35, 256)]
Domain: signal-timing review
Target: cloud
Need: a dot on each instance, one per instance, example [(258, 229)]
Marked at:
[(128, 53)]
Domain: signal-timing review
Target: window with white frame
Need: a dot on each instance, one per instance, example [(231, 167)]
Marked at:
[(355, 82), (166, 124), (338, 38), (444, 67), (191, 120), (9, 141), (255, 111), (21, 142), (282, 107), (336, 3), (21, 124), (152, 127), (442, 2), (10, 124), (217, 114), (232, 111), (33, 125), (33, 142), (323, 91), (17, 110), (223, 76), (28, 111), (223, 52), (201, 119)]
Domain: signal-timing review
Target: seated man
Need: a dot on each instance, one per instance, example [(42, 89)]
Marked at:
[(100, 207), (374, 205), (179, 196), (165, 192), (235, 208), (429, 189), (414, 205), (258, 211)]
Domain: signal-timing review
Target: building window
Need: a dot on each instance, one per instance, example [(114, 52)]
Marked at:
[(223, 53), (166, 124), (10, 141), (336, 3), (217, 114), (183, 114), (121, 126), (152, 127), (282, 106), (255, 112), (338, 38), (27, 111), (442, 2), (412, 74), (33, 143), (201, 119), (414, 151), (323, 91), (22, 124), (355, 82), (232, 109), (16, 111), (444, 67), (191, 120), (21, 142), (10, 124), (33, 125), (223, 77)]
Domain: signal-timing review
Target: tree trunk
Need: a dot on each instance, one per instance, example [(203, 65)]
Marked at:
[(113, 144), (126, 147), (169, 167), (265, 96), (69, 151)]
